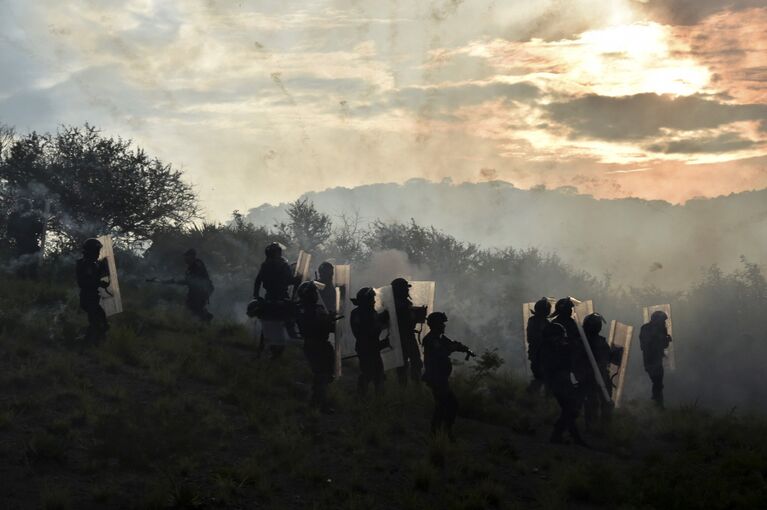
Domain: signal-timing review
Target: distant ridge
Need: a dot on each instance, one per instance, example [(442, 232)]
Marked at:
[(636, 241)]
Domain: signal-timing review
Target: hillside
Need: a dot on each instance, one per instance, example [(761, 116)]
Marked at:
[(637, 242), (168, 414)]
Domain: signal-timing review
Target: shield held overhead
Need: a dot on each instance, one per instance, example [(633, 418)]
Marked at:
[(111, 300)]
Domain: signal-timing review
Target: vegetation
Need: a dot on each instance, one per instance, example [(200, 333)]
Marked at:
[(170, 414)]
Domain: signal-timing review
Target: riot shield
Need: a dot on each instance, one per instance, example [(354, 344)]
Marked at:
[(302, 266), (620, 336), (581, 307), (111, 301), (669, 360), (423, 293), (527, 312), (344, 339), (391, 356)]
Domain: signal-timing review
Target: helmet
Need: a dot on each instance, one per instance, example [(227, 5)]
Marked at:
[(325, 269), (274, 250), (658, 316), (92, 245), (436, 318), (365, 295), (592, 323), (563, 306), (400, 283), (307, 293), (542, 307)]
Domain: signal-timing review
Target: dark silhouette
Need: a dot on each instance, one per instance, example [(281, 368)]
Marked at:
[(581, 366), (437, 349), (325, 273), (654, 340), (199, 285), (556, 358), (535, 326), (25, 229), (315, 325), (411, 354), (596, 409), (275, 308), (367, 326), (90, 273)]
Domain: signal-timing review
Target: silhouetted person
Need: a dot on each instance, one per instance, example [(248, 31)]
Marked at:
[(596, 408), (199, 286), (276, 277), (25, 229), (535, 326), (654, 340), (316, 324), (411, 354), (437, 349), (556, 358), (325, 273), (90, 271), (367, 326), (581, 366)]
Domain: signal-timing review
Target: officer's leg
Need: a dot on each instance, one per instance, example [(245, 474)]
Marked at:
[(364, 378), (451, 411), (590, 405), (438, 416), (561, 423), (377, 370), (416, 366), (402, 372)]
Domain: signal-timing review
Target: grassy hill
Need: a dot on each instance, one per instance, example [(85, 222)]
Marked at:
[(170, 414)]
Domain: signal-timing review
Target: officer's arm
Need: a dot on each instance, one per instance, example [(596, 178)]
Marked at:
[(257, 286)]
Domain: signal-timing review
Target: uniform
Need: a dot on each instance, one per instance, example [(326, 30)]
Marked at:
[(654, 340)]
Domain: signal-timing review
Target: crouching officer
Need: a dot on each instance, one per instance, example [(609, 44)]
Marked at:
[(367, 326), (654, 340), (437, 349), (535, 326), (596, 409), (411, 354), (315, 325), (556, 354), (90, 273)]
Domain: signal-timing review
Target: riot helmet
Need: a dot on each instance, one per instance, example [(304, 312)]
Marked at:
[(307, 293), (92, 247), (542, 307), (659, 316), (436, 318), (325, 271), (365, 296), (592, 324), (274, 250), (563, 307)]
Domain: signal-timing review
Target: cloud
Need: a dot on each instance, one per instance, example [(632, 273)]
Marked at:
[(646, 115), (691, 12), (725, 142)]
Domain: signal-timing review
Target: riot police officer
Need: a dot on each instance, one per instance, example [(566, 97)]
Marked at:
[(535, 326), (556, 360), (367, 326), (90, 273), (654, 340), (315, 325), (325, 273), (437, 349), (275, 276), (411, 354), (199, 285)]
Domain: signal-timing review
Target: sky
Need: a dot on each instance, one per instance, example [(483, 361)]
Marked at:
[(261, 101)]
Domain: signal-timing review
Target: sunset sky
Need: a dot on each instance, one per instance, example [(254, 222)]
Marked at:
[(260, 101)]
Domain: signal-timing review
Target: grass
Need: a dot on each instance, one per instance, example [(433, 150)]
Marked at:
[(169, 414)]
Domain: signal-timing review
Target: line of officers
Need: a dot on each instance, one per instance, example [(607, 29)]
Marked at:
[(309, 313), (315, 315), (558, 355)]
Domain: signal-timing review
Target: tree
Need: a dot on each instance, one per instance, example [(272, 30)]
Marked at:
[(307, 227), (97, 185)]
